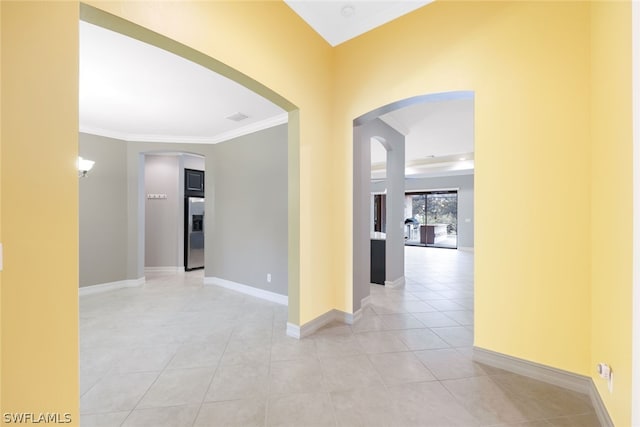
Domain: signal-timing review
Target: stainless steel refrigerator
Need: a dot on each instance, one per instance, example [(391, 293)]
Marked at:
[(194, 233)]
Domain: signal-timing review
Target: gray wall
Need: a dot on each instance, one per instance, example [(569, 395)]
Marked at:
[(464, 183), (246, 179), (162, 219), (250, 210), (102, 211), (394, 250)]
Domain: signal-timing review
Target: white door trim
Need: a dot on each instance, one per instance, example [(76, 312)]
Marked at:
[(635, 368)]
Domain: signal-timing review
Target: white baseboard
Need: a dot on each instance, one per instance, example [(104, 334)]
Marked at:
[(309, 328), (312, 326), (364, 302), (395, 283), (165, 269), (248, 290), (293, 331), (105, 287), (598, 405), (547, 374), (465, 248)]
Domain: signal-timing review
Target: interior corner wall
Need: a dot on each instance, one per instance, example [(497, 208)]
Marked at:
[(394, 142), (612, 204), (103, 211), (528, 65), (250, 210), (162, 215)]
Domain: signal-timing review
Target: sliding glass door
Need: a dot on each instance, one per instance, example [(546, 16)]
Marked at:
[(431, 219)]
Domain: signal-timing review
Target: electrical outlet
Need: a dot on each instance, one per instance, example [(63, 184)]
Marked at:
[(606, 373), (269, 277)]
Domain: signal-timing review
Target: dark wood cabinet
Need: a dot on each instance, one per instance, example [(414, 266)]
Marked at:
[(378, 271)]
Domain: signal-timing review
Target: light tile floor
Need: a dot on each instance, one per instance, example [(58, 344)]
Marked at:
[(176, 353)]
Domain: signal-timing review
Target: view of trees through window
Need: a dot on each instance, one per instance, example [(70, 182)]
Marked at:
[(436, 208), (431, 219)]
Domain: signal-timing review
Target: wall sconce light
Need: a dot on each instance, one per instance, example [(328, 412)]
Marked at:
[(84, 166)]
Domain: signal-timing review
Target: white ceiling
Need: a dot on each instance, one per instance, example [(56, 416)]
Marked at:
[(340, 20), (439, 138), (137, 92)]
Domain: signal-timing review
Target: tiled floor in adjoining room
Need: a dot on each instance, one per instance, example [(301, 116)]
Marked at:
[(176, 353)]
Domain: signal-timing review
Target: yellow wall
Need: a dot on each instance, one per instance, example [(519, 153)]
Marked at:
[(39, 207), (0, 205), (611, 203), (294, 62), (528, 64), (530, 67)]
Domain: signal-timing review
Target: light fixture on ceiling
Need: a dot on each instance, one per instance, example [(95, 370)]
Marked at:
[(348, 11), (84, 166), (462, 158), (237, 117)]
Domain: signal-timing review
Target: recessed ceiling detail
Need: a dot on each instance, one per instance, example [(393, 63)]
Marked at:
[(338, 21), (137, 92), (238, 117), (439, 138)]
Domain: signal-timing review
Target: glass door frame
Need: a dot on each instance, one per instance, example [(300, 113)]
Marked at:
[(423, 238)]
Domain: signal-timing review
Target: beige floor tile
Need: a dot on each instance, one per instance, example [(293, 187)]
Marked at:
[(421, 339), (292, 349), (381, 342), (435, 319), (343, 373), (196, 355), (246, 353), (400, 368), (488, 402), (463, 317), (448, 364), (428, 404), (296, 376), (110, 419), (246, 358), (87, 381), (363, 407), (584, 420), (418, 307), (232, 413), (174, 416), (536, 423), (547, 400), (400, 321), (334, 328), (239, 381), (178, 387), (337, 345), (303, 409), (456, 336), (368, 323), (145, 359), (117, 392)]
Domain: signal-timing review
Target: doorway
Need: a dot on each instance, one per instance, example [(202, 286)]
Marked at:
[(432, 219)]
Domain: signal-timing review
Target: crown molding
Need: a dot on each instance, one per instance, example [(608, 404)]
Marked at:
[(222, 137)]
